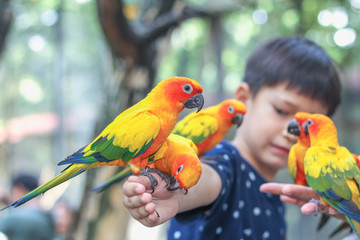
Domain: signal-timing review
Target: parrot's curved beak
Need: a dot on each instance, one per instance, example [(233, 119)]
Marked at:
[(237, 119), (196, 101), (294, 128)]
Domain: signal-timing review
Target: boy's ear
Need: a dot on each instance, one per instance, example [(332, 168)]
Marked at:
[(243, 92)]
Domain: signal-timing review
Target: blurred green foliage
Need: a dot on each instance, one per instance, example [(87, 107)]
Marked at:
[(46, 34)]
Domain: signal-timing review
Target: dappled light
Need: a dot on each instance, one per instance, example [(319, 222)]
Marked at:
[(67, 68)]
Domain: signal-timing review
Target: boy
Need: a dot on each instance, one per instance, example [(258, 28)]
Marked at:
[(282, 77)]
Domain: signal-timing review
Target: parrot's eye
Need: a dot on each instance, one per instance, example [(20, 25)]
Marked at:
[(309, 122), (187, 88), (231, 109), (179, 169)]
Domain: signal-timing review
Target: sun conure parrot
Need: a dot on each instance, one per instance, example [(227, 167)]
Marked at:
[(206, 129), (177, 158), (210, 126), (296, 160), (297, 151), (331, 169), (134, 135)]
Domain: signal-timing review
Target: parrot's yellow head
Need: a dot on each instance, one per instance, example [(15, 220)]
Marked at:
[(316, 127), (321, 127), (298, 127), (179, 92), (232, 111), (186, 169)]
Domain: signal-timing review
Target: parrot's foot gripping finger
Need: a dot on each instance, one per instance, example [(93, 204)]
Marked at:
[(153, 181), (174, 185), (317, 204), (164, 176)]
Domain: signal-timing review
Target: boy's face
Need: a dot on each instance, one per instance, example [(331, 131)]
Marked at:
[(262, 138)]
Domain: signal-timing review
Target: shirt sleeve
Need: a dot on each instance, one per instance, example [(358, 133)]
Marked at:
[(222, 160)]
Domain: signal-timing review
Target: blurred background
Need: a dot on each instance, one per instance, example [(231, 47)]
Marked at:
[(68, 67)]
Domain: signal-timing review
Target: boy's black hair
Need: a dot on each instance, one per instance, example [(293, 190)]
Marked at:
[(301, 63)]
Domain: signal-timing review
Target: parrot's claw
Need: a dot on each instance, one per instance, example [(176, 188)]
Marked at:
[(154, 182), (147, 172), (164, 176), (173, 185), (317, 204)]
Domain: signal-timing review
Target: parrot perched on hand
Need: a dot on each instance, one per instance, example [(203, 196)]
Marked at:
[(134, 134), (298, 150), (177, 158), (206, 129), (210, 126), (330, 169)]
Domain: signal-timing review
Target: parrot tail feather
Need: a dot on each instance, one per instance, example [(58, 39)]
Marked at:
[(124, 173), (68, 173), (355, 225)]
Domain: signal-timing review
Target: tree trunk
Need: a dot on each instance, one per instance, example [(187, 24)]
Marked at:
[(5, 21)]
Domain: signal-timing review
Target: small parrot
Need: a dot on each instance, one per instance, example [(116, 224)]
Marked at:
[(206, 129), (330, 169), (177, 158), (298, 150), (210, 126), (134, 135)]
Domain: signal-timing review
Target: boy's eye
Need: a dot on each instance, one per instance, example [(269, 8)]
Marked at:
[(280, 111)]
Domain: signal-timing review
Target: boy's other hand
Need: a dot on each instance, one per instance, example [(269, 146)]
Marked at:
[(300, 196), (149, 208)]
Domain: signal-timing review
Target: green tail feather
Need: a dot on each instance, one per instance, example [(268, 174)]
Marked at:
[(70, 172), (124, 173), (355, 225)]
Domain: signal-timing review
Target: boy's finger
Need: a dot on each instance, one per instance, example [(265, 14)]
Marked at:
[(301, 193), (133, 189), (291, 200), (143, 212), (308, 208), (137, 200), (274, 188)]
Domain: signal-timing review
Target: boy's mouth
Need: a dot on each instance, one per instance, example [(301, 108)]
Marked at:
[(280, 150)]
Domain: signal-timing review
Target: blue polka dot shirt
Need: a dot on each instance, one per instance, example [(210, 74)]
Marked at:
[(240, 212)]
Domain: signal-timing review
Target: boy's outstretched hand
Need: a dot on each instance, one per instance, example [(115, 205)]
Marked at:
[(301, 196), (143, 204)]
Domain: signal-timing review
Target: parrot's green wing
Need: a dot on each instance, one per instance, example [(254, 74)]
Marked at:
[(334, 175), (125, 138), (197, 127)]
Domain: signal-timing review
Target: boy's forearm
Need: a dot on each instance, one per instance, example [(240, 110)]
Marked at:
[(203, 193)]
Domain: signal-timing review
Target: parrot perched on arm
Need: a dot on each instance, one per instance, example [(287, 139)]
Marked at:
[(330, 169), (177, 158), (206, 129), (133, 135)]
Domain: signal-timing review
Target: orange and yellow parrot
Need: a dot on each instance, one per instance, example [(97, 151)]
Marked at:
[(134, 135), (297, 151), (330, 169), (206, 129), (177, 158), (210, 126)]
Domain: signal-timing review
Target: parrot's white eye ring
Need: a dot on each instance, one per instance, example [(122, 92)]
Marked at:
[(187, 88), (231, 109), (179, 169), (309, 122)]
